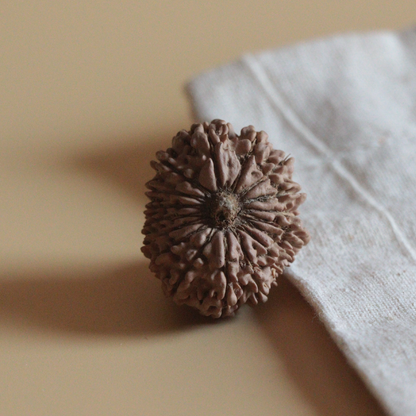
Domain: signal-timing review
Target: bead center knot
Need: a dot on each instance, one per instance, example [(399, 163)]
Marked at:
[(224, 209)]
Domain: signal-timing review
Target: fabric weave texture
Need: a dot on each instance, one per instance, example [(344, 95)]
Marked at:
[(345, 108)]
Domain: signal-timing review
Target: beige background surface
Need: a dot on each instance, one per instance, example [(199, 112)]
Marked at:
[(89, 91)]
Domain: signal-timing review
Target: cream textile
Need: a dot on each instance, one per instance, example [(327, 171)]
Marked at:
[(345, 107)]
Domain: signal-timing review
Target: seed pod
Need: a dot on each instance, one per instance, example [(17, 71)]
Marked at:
[(222, 221)]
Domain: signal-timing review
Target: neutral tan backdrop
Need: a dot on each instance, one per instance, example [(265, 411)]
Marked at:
[(89, 90)]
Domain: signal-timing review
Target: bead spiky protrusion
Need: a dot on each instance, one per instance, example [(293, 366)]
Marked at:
[(222, 223)]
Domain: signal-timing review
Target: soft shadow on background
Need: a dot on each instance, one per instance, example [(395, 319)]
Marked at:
[(111, 301), (114, 299), (311, 357), (125, 164)]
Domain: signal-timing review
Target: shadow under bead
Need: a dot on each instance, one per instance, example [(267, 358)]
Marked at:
[(222, 221)]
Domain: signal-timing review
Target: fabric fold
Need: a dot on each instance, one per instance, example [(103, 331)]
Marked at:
[(345, 107)]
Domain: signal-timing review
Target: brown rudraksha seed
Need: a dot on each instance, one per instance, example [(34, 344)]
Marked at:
[(222, 221)]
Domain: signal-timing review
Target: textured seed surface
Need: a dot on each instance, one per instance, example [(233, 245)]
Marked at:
[(222, 221)]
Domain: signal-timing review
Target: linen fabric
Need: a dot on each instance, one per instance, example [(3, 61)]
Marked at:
[(345, 108)]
